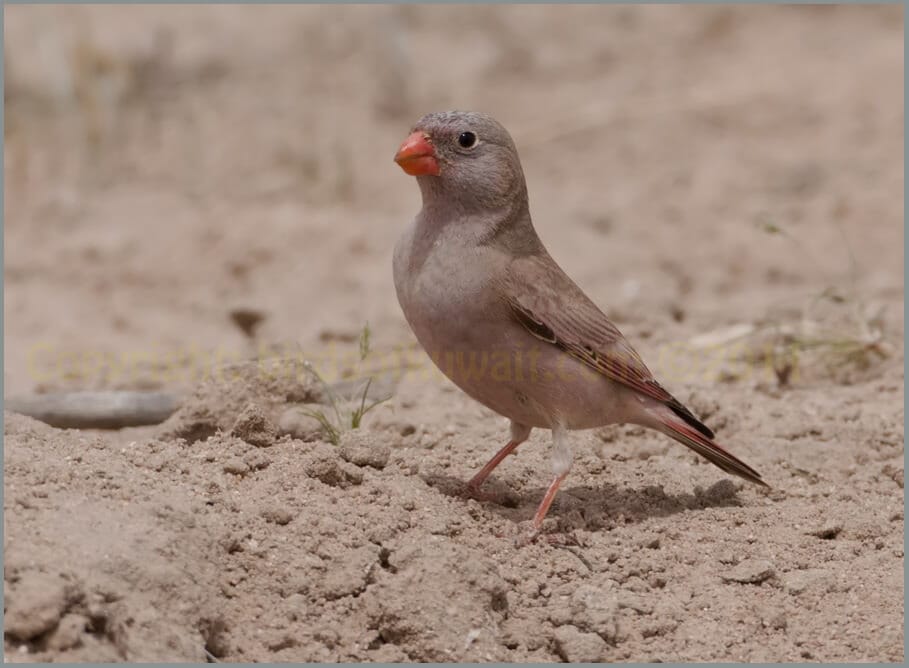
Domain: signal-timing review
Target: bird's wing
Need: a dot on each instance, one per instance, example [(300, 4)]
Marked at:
[(553, 308)]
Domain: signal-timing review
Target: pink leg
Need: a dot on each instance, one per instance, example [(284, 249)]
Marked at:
[(519, 434), (480, 477), (547, 501)]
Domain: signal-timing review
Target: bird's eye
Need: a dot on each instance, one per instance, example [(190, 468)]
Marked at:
[(467, 140)]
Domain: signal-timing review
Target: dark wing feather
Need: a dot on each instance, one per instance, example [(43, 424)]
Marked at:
[(554, 309)]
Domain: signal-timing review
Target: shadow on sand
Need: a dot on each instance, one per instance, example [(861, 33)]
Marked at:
[(592, 508)]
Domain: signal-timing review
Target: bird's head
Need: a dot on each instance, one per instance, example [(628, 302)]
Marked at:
[(465, 157)]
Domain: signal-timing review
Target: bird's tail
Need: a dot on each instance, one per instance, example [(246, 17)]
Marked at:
[(708, 448)]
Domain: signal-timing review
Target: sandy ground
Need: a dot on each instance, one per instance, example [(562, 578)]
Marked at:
[(725, 183)]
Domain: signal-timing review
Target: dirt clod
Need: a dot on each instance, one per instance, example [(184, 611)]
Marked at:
[(750, 571), (277, 514), (323, 463), (576, 646), (236, 466), (254, 427), (35, 606), (254, 393), (363, 448), (595, 609), (798, 582)]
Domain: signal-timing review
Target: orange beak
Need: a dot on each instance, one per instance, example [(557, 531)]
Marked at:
[(417, 157)]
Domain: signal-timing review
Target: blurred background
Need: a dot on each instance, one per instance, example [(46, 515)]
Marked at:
[(218, 180)]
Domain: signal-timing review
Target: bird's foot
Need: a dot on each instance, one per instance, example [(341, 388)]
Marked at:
[(526, 537), (531, 534)]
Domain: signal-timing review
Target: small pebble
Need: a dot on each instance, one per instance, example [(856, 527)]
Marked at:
[(236, 466)]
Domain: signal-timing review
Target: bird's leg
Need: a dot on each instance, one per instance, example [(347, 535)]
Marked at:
[(562, 457), (519, 434), (483, 473), (548, 498)]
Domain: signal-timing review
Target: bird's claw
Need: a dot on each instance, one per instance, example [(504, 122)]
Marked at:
[(533, 534), (526, 537)]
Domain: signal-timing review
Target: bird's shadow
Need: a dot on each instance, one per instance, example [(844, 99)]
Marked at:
[(592, 508)]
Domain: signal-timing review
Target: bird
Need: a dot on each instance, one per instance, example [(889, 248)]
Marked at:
[(503, 321)]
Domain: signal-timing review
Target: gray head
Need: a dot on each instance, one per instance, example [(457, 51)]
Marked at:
[(466, 162)]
